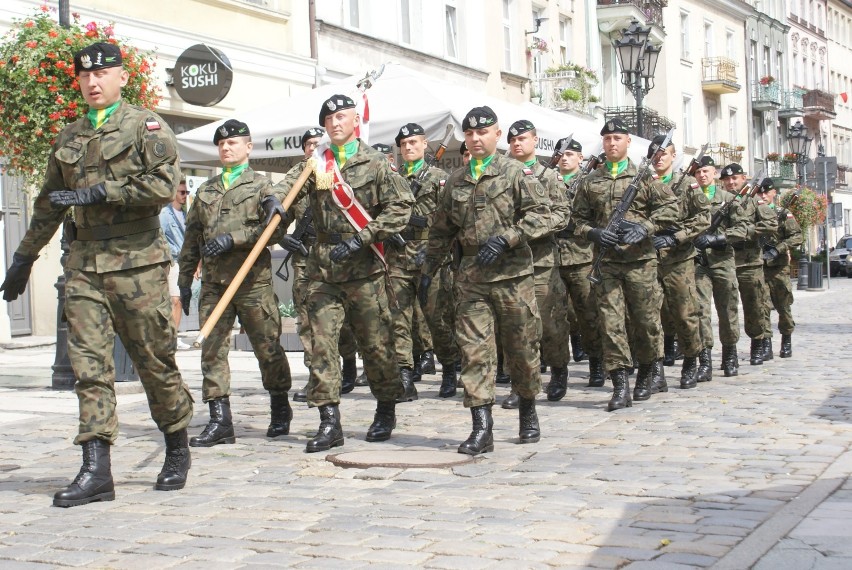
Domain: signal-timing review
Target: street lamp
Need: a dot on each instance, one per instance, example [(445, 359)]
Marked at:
[(800, 144), (638, 60)]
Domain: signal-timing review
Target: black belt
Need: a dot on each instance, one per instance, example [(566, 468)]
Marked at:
[(412, 234), (118, 230), (323, 237)]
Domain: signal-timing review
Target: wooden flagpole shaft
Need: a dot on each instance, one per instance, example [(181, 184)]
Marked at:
[(252, 257)]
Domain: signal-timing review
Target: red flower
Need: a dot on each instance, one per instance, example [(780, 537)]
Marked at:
[(23, 119), (91, 34), (61, 64), (52, 33), (29, 24), (31, 44), (69, 41), (108, 31), (91, 26), (54, 116), (44, 8), (53, 88), (39, 132)]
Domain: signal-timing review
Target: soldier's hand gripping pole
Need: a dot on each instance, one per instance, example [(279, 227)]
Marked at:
[(252, 257)]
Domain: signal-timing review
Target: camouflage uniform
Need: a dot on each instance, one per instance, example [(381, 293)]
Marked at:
[(235, 211), (748, 257), (116, 273), (629, 272), (777, 271), (507, 200), (356, 286)]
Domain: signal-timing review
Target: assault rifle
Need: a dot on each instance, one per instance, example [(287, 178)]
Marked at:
[(560, 150), (770, 248), (302, 228), (690, 169), (617, 217), (594, 161)]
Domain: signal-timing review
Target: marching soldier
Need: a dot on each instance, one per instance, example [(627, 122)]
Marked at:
[(628, 285), (762, 223), (116, 167), (492, 208), (358, 201), (229, 214), (776, 269), (677, 268)]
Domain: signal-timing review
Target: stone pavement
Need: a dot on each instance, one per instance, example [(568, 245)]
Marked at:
[(742, 472)]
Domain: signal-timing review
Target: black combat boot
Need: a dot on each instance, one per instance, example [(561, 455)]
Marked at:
[(632, 368), (178, 461), (658, 377), (502, 377), (705, 366), (787, 344), (409, 393), (767, 349), (330, 432), (427, 362), (597, 378), (417, 371), (529, 432), (301, 395), (93, 482), (642, 390), (220, 429), (730, 361), (669, 350), (620, 390), (280, 415), (383, 422), (577, 348), (448, 381), (350, 374), (361, 380), (511, 402), (756, 352), (481, 439), (689, 373), (558, 384)]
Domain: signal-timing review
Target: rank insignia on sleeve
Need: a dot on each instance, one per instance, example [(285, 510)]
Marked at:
[(152, 124)]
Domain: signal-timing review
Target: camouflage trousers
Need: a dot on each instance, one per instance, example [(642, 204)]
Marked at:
[(257, 309), (781, 296), (347, 347), (440, 314), (630, 290), (365, 302), (509, 307), (680, 312), (550, 297), (719, 284), (755, 295), (135, 304), (409, 323), (583, 305)]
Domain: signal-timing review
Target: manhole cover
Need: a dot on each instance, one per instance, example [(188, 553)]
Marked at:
[(402, 458)]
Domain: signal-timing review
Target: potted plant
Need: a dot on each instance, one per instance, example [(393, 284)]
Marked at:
[(539, 45), (767, 80), (773, 157), (790, 157), (571, 95)]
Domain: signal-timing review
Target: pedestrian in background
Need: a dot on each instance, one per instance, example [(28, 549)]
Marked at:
[(173, 222)]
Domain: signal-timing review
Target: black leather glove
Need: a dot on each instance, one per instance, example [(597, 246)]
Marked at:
[(631, 233), (185, 299), (83, 197), (493, 248), (718, 241), (664, 242), (423, 291), (770, 252), (346, 248), (603, 237), (272, 205), (293, 245), (420, 258), (702, 242), (17, 276), (218, 245)]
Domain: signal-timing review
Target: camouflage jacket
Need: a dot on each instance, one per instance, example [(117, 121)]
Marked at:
[(733, 226), (134, 154), (236, 211), (401, 260), (544, 248), (384, 195), (694, 208), (506, 201), (655, 207), (762, 223), (787, 237), (573, 249)]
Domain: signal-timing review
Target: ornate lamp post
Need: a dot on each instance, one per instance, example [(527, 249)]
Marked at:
[(800, 144), (638, 60)]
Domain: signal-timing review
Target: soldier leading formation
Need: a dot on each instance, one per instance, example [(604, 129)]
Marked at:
[(490, 269)]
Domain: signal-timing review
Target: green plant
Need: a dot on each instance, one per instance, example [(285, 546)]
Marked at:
[(571, 95), (594, 99), (809, 208), (287, 310), (772, 157), (39, 93)]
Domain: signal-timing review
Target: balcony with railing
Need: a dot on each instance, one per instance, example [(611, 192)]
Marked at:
[(719, 75), (765, 96), (653, 123), (725, 153), (791, 103), (616, 14), (564, 90), (782, 172), (818, 104)]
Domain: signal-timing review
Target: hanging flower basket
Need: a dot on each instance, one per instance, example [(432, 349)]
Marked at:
[(767, 80), (538, 45), (809, 208), (790, 157), (773, 157)]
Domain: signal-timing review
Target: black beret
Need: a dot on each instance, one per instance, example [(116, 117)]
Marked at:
[(655, 144), (614, 125), (463, 148), (731, 170), (409, 130), (574, 144), (311, 134), (707, 160), (479, 118), (230, 129), (383, 148), (97, 56), (767, 185), (519, 128), (333, 104)]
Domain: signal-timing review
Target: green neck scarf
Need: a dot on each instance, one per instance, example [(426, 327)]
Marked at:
[(345, 152), (231, 173), (478, 166), (412, 167), (616, 168), (709, 191), (771, 205), (569, 176), (665, 179), (530, 163), (100, 116)]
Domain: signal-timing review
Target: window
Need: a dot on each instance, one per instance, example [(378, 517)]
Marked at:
[(778, 57), (712, 111), (507, 35), (709, 50), (732, 126), (564, 40), (452, 39), (686, 120), (730, 45), (767, 67), (752, 56), (405, 21), (354, 14), (684, 35)]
